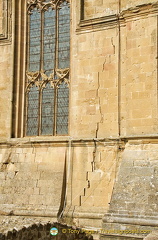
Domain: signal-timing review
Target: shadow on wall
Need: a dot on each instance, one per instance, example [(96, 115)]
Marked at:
[(43, 232)]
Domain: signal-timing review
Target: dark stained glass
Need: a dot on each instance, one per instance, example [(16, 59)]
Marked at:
[(47, 110), (62, 109), (33, 109), (64, 36), (34, 43), (49, 39)]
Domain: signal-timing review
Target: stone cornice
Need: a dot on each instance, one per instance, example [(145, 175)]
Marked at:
[(118, 19), (133, 219), (67, 140), (135, 224), (58, 141), (139, 11), (95, 23), (29, 211)]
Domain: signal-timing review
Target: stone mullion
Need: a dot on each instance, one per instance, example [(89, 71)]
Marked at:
[(41, 70), (55, 111), (26, 113), (42, 42), (57, 37), (28, 43), (22, 75), (27, 69), (18, 20), (40, 112), (55, 67)]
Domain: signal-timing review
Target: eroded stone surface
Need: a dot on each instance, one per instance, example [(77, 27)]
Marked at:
[(152, 236), (113, 96)]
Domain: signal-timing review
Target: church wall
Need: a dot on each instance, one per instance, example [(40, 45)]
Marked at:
[(31, 178), (94, 8), (137, 179), (6, 68), (113, 99), (139, 76), (125, 4), (94, 85), (6, 73)]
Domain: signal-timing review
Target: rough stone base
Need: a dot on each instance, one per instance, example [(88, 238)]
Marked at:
[(39, 231), (8, 223)]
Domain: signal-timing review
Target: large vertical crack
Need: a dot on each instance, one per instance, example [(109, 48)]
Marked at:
[(94, 155), (63, 192), (100, 110), (113, 45), (104, 65)]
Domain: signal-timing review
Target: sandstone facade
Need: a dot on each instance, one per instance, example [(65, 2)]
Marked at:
[(104, 173)]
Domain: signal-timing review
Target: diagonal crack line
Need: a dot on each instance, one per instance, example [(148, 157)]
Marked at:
[(104, 65), (113, 44), (99, 102), (102, 116)]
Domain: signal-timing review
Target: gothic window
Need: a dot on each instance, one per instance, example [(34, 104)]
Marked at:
[(47, 67)]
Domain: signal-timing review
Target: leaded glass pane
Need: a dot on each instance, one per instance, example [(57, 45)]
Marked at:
[(64, 36), (62, 109), (34, 43), (47, 110), (49, 39), (32, 111)]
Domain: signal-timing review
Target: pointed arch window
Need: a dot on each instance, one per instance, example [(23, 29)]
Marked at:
[(47, 67)]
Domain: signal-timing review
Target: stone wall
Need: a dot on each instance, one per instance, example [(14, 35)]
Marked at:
[(137, 184), (31, 178), (97, 169), (133, 205), (6, 67), (90, 184), (138, 76), (94, 8), (116, 74)]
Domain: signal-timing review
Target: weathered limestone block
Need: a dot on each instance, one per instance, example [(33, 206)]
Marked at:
[(28, 175), (152, 236), (137, 183), (99, 8), (125, 4), (134, 198)]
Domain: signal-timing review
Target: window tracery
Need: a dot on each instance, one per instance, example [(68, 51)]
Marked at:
[(47, 75)]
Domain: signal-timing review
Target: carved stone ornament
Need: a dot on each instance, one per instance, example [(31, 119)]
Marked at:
[(43, 5), (62, 73), (40, 79), (32, 76)]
